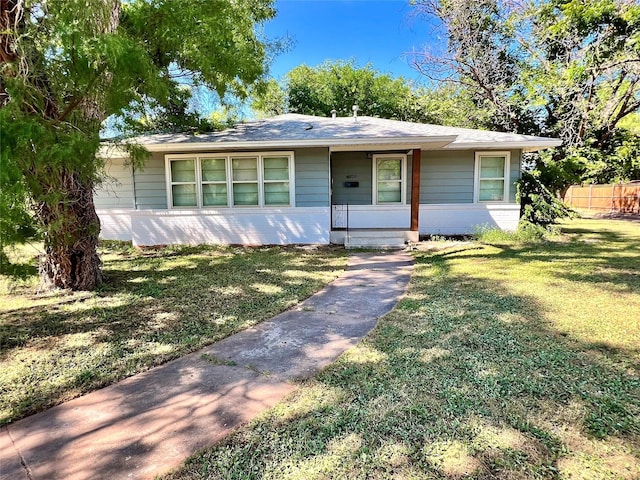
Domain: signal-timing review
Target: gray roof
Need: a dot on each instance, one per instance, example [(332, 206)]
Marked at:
[(294, 130)]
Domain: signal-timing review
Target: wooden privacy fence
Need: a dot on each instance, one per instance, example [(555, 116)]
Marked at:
[(605, 198)]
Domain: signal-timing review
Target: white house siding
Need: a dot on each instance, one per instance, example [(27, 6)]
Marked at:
[(147, 221), (446, 195), (372, 216), (245, 226), (446, 198), (115, 224), (457, 219)]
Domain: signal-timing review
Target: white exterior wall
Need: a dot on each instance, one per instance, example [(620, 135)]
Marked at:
[(115, 224), (458, 219), (243, 226), (372, 216)]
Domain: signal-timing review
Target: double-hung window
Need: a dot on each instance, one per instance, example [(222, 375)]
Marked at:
[(492, 177), (246, 190), (276, 180), (389, 179), (235, 180), (213, 174), (183, 182)]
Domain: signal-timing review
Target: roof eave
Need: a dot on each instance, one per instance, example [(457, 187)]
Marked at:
[(525, 146), (334, 144), (392, 143), (446, 142)]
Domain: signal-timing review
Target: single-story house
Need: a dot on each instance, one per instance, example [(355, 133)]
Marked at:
[(298, 179)]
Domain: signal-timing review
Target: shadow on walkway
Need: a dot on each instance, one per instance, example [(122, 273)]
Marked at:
[(149, 423)]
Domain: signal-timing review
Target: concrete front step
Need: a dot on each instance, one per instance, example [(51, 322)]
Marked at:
[(368, 241), (375, 238)]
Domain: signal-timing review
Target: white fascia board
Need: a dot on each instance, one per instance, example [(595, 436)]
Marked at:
[(111, 151), (530, 146), (335, 144), (393, 144)]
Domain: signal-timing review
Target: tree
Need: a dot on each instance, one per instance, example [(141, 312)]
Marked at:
[(67, 65), (177, 115), (340, 85), (450, 105), (16, 220), (563, 68)]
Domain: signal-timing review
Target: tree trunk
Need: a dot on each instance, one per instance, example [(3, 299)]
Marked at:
[(71, 238), (61, 191)]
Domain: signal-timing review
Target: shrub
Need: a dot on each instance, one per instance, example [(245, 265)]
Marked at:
[(538, 205), (526, 233)]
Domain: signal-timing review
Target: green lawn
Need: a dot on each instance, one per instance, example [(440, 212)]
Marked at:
[(503, 361), (155, 305)]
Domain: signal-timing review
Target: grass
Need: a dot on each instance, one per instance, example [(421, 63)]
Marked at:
[(510, 360), (156, 305)]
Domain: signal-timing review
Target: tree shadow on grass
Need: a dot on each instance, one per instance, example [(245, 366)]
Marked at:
[(17, 271), (462, 379), (607, 258), (153, 308)]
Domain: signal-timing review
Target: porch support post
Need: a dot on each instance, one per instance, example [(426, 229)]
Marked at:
[(415, 188)]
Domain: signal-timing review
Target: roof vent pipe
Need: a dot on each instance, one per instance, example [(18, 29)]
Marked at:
[(334, 113), (355, 112)]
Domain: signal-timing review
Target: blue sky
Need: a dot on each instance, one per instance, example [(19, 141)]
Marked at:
[(379, 32)]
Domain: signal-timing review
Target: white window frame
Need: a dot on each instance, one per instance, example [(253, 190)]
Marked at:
[(229, 172), (403, 179), (264, 181), (201, 182), (505, 178), (231, 182), (171, 183)]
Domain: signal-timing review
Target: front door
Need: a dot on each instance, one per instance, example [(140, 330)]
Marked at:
[(369, 190)]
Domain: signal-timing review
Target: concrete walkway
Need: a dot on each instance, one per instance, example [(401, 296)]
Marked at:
[(150, 423)]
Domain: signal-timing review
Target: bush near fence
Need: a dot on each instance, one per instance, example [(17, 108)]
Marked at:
[(605, 198)]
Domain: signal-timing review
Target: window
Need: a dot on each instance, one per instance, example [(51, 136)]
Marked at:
[(183, 183), (245, 181), (214, 182), (276, 180), (240, 180), (389, 174), (492, 174)]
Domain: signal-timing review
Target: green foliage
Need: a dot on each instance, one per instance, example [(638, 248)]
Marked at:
[(631, 123), (16, 220), (539, 206), (567, 69), (617, 161), (526, 233), (175, 115), (454, 106), (270, 98), (340, 85), (67, 68)]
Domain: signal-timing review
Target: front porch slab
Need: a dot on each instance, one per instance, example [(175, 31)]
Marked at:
[(381, 238)]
